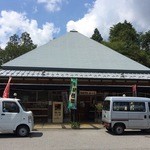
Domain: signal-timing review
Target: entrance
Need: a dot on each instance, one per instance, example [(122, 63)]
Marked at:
[(86, 108)]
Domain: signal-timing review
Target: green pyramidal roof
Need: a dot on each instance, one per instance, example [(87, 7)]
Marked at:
[(74, 51)]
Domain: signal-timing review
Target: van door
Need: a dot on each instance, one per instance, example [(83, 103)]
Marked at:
[(138, 115), (10, 116)]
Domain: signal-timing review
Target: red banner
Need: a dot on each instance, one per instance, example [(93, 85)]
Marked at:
[(7, 89), (134, 90)]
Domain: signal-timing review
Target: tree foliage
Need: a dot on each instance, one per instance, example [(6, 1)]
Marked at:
[(124, 39), (124, 32), (97, 36), (16, 47), (145, 41)]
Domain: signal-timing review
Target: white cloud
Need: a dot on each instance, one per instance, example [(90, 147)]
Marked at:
[(19, 23), (52, 5), (105, 13)]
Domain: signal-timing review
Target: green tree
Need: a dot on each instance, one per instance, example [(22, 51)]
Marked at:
[(10, 51), (97, 36), (145, 41), (124, 32), (1, 57), (16, 47), (27, 42), (124, 39), (14, 40)]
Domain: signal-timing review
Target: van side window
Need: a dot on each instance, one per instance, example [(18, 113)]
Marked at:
[(120, 106), (10, 107), (137, 106)]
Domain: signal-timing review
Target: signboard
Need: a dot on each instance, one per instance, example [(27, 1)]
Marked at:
[(87, 92), (72, 104), (57, 112)]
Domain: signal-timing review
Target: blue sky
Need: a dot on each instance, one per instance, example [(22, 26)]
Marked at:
[(48, 19)]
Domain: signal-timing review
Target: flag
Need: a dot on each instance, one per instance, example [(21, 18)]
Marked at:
[(134, 90), (72, 104), (7, 89)]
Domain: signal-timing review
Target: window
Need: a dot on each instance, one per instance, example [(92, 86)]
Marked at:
[(129, 106), (137, 106), (120, 106), (10, 107), (106, 105), (23, 107)]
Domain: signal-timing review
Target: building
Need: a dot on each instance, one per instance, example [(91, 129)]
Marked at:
[(41, 77)]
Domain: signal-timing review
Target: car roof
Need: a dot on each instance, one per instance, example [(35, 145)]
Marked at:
[(8, 99), (126, 98)]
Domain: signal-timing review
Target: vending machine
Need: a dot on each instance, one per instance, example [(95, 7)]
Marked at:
[(57, 112)]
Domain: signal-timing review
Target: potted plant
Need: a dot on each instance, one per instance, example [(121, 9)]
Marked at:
[(99, 108), (75, 125)]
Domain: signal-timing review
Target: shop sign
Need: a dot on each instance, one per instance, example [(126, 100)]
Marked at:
[(87, 92)]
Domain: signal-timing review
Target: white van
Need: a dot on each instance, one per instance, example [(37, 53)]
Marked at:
[(120, 113), (14, 118)]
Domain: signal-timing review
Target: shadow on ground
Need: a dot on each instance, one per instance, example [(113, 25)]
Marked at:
[(132, 133), (11, 135)]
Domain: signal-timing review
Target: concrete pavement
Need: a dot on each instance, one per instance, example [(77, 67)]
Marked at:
[(69, 139)]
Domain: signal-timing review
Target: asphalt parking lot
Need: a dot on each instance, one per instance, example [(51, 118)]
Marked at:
[(76, 139)]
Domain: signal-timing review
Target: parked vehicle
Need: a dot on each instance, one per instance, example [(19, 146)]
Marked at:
[(120, 113), (14, 118)]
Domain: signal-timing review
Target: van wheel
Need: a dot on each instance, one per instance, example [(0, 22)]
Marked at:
[(118, 129), (22, 131)]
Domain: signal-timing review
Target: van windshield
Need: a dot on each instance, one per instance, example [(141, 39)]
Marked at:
[(106, 105), (23, 107)]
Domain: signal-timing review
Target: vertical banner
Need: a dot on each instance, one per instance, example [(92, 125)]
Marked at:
[(72, 104), (7, 89), (134, 90)]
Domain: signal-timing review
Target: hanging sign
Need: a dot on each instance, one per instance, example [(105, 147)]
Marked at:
[(87, 92)]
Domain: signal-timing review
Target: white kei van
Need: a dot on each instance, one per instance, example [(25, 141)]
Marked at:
[(14, 118), (120, 113)]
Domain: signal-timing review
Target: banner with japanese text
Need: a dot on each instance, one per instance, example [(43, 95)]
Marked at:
[(72, 104)]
